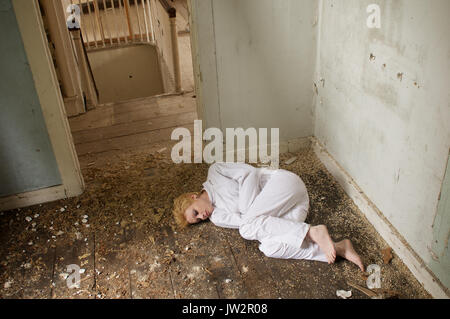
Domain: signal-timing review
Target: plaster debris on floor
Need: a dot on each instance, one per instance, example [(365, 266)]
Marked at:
[(121, 235)]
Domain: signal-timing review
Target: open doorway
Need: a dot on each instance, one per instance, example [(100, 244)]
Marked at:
[(137, 80), (133, 47)]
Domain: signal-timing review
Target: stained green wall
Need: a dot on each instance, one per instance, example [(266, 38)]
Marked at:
[(27, 161), (440, 264)]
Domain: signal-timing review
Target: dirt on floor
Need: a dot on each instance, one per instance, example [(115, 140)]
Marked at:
[(121, 235)]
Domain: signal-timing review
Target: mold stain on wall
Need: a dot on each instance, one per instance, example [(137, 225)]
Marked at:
[(439, 250)]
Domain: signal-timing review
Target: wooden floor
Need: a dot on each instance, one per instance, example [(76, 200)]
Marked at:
[(121, 234), (132, 124)]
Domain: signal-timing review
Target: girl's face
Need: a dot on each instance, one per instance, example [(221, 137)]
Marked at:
[(200, 210)]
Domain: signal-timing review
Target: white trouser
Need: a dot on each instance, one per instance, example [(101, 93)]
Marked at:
[(276, 218)]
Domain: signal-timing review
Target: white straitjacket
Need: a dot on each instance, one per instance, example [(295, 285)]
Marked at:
[(265, 205)]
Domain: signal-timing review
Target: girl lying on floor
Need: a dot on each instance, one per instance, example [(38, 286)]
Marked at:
[(265, 205)]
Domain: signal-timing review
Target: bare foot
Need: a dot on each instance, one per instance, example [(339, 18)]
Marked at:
[(319, 234), (345, 249)]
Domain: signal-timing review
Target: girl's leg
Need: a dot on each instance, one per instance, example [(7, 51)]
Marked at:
[(297, 213), (308, 250), (276, 218), (319, 235), (280, 194), (265, 218), (345, 249)]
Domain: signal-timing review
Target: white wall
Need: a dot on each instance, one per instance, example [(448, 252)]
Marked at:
[(382, 105), (391, 133), (257, 59)]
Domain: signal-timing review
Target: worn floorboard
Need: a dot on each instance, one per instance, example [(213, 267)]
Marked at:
[(79, 252), (259, 280), (136, 127), (129, 141), (134, 110), (132, 124), (207, 262), (188, 274), (150, 273), (112, 255), (27, 257)]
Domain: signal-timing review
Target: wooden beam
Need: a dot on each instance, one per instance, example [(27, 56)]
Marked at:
[(127, 13), (99, 22), (65, 58), (86, 75), (175, 54)]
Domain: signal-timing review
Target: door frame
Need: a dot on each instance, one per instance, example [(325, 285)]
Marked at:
[(47, 87), (193, 34)]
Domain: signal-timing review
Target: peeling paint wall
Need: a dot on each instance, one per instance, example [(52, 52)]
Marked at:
[(257, 58), (382, 108)]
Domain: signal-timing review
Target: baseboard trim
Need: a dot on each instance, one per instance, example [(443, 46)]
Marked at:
[(393, 238), (36, 197)]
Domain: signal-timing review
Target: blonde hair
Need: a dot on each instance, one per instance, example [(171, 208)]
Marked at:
[(180, 204)]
